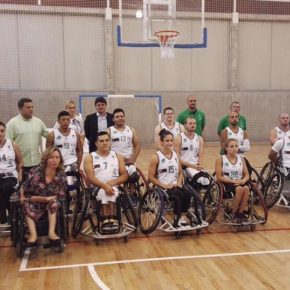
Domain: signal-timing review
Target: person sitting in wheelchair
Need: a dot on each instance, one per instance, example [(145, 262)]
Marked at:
[(106, 170), (189, 147), (40, 193), (69, 143), (232, 172), (280, 155), (165, 172)]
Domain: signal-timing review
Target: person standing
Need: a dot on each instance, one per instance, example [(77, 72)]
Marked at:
[(193, 112), (97, 122), (26, 131), (224, 122), (282, 130)]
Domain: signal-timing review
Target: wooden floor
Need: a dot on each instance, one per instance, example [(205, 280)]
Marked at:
[(216, 259)]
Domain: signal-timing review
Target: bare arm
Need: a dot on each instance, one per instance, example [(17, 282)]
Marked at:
[(50, 140), (273, 156), (136, 146), (273, 136), (223, 138), (182, 129), (19, 160), (79, 150), (156, 136), (177, 145), (201, 152)]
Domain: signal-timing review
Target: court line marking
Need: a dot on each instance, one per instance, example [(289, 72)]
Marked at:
[(24, 260), (222, 255), (97, 278)]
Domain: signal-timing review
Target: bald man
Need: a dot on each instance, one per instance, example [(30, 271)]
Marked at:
[(282, 130)]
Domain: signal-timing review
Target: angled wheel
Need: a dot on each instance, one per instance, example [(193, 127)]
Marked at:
[(196, 212), (211, 200), (62, 221), (80, 214), (266, 172), (255, 177), (150, 210), (129, 212), (14, 216), (273, 189), (258, 211)]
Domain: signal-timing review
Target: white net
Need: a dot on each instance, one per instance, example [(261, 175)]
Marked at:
[(167, 40)]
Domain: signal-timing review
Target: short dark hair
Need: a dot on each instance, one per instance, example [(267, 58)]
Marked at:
[(100, 100), (118, 110), (2, 124), (22, 101), (163, 133), (167, 109), (102, 133), (62, 114)]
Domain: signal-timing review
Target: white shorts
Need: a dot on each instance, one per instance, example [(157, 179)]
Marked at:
[(105, 198)]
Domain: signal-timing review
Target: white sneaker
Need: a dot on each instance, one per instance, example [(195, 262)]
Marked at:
[(183, 221)]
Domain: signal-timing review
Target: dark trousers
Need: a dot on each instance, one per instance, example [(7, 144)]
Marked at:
[(181, 199), (6, 189)]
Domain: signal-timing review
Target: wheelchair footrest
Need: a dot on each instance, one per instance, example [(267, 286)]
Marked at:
[(125, 230), (169, 228)]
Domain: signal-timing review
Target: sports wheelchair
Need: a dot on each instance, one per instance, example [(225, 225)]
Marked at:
[(209, 193), (136, 185), (19, 228), (87, 218), (155, 212), (256, 212), (277, 185), (75, 187)]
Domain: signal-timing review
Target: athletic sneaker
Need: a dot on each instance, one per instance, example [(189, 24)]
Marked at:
[(4, 225), (183, 221)]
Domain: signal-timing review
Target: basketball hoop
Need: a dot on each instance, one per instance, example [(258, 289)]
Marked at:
[(167, 40)]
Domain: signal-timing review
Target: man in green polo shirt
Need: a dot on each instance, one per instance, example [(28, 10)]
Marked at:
[(26, 131), (224, 122), (193, 112)]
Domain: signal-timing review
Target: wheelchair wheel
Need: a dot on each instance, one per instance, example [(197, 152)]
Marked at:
[(273, 189), (128, 210), (150, 210), (62, 222), (211, 200), (258, 212), (20, 244), (266, 171), (196, 212), (14, 216), (256, 178), (80, 214)]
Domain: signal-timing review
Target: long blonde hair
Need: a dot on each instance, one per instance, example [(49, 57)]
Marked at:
[(45, 156)]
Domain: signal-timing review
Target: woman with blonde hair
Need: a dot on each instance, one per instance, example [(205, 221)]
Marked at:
[(40, 193)]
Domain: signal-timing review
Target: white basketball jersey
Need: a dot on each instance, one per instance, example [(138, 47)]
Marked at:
[(105, 167), (75, 125), (7, 159), (175, 130), (233, 171), (239, 136), (168, 169), (281, 134), (67, 145), (285, 152), (122, 141), (189, 148)]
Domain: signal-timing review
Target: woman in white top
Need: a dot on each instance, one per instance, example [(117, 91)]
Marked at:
[(165, 171), (231, 170), (10, 171)]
